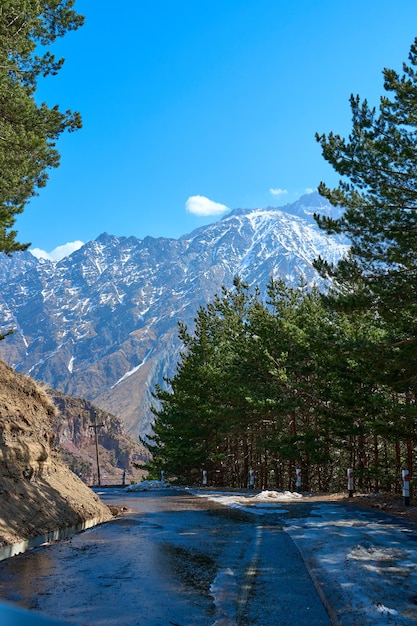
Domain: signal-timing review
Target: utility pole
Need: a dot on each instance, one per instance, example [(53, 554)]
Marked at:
[(95, 426)]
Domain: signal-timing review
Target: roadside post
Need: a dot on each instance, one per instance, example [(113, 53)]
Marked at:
[(406, 487), (162, 476), (204, 477), (350, 482), (94, 425), (251, 479), (298, 480)]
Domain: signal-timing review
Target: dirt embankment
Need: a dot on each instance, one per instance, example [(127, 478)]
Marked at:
[(38, 493)]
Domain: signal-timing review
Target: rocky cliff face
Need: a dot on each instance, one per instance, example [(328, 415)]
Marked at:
[(101, 324), (74, 430), (38, 493)]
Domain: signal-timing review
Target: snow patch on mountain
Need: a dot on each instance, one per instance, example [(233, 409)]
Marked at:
[(133, 370)]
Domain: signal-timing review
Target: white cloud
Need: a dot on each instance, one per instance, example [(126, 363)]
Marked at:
[(309, 190), (59, 252), (277, 192), (200, 205)]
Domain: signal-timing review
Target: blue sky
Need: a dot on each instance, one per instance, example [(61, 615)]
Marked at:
[(194, 106)]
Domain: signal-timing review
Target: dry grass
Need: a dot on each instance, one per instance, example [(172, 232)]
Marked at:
[(388, 502)]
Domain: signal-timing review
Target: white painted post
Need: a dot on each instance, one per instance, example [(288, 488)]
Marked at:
[(162, 476), (298, 480), (406, 487), (350, 482), (251, 479), (204, 477)]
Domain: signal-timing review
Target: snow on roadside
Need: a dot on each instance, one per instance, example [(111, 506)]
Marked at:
[(148, 485), (364, 562), (261, 504)]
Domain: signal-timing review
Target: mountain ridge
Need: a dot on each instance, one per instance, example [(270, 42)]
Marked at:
[(102, 322)]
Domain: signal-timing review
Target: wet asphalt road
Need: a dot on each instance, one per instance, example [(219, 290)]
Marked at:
[(173, 560)]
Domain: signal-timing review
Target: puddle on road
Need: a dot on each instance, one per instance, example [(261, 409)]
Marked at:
[(21, 567)]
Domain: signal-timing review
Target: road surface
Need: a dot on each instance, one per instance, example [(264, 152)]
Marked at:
[(173, 560)]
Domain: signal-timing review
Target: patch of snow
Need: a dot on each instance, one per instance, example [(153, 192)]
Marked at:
[(281, 496), (265, 502), (148, 485), (133, 370), (223, 591)]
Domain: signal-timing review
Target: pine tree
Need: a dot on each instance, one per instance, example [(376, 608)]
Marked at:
[(197, 423), (378, 189), (28, 130)]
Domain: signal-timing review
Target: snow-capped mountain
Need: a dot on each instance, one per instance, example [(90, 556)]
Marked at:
[(102, 323)]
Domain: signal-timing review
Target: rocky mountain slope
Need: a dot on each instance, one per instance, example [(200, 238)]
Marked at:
[(74, 430), (101, 324), (38, 493)]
